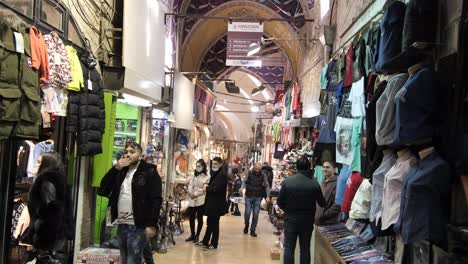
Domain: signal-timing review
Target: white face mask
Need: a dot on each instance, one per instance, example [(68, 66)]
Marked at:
[(215, 169), (199, 170)]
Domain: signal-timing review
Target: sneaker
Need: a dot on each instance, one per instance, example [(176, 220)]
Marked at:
[(209, 247), (195, 240), (200, 244), (253, 234), (246, 229), (191, 238)]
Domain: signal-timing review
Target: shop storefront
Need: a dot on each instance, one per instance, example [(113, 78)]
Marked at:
[(54, 102)]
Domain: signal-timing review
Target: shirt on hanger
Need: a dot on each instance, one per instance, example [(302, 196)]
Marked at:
[(352, 185), (362, 201), (76, 71), (344, 149), (341, 183), (378, 179), (356, 97), (425, 201), (385, 110), (356, 138), (393, 185)]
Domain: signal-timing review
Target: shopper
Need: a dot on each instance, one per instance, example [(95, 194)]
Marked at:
[(297, 198), (134, 191), (230, 186), (256, 188), (236, 192), (268, 171), (215, 204), (51, 221), (329, 214), (197, 193)]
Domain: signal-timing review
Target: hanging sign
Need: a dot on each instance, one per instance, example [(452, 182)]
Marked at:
[(243, 44), (265, 115)]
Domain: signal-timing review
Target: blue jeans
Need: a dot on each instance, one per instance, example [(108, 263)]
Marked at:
[(132, 242), (252, 203)]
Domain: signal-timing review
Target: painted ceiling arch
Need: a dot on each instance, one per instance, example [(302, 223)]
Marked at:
[(284, 8), (207, 32)]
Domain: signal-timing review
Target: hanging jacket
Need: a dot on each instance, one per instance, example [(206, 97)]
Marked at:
[(19, 83), (196, 188), (39, 53), (86, 113)]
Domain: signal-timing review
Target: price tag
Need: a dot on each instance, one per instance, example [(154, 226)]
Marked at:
[(90, 85), (19, 42)]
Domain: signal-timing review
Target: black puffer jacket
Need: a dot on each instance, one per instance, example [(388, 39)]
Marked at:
[(86, 113)]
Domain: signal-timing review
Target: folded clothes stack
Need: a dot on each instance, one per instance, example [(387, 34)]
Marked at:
[(352, 248)]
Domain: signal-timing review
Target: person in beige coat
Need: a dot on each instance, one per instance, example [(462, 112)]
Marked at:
[(197, 194)]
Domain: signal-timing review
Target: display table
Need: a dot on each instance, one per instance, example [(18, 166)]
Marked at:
[(324, 251), (336, 244)]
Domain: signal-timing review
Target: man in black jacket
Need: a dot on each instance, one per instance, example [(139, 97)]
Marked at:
[(297, 198), (134, 191), (256, 188)]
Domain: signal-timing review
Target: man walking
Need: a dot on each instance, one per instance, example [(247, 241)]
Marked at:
[(256, 188), (134, 191), (297, 198)]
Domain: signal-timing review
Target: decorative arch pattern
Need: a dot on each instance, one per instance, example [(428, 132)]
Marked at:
[(285, 8)]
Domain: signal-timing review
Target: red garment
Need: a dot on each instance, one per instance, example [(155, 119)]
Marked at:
[(370, 86), (296, 101), (39, 53), (348, 79), (279, 96), (352, 185)]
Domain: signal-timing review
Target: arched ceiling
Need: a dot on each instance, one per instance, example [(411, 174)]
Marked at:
[(204, 34), (239, 124), (203, 48), (284, 8)]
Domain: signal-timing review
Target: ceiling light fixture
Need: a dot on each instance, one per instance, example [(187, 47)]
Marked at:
[(254, 108), (258, 90)]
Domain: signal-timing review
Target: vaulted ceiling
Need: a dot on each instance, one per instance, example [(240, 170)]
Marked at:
[(202, 47)]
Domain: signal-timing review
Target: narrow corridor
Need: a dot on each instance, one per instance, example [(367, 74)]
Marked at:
[(234, 246)]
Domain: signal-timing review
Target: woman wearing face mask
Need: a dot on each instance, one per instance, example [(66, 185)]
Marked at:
[(215, 204), (51, 220), (197, 193)]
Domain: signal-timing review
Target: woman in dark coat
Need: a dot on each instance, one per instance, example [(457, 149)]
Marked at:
[(50, 218), (215, 204)]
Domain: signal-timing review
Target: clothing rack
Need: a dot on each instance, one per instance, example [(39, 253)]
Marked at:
[(375, 18)]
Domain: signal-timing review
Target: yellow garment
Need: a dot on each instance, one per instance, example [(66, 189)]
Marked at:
[(76, 71)]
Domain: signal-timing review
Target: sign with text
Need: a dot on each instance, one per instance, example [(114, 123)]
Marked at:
[(243, 44)]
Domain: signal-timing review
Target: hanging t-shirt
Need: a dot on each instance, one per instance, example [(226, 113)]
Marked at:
[(341, 183), (323, 78), (356, 138), (318, 173), (125, 207), (348, 78), (344, 150), (356, 97)]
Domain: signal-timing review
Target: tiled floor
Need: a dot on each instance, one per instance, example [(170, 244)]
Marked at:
[(234, 246)]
